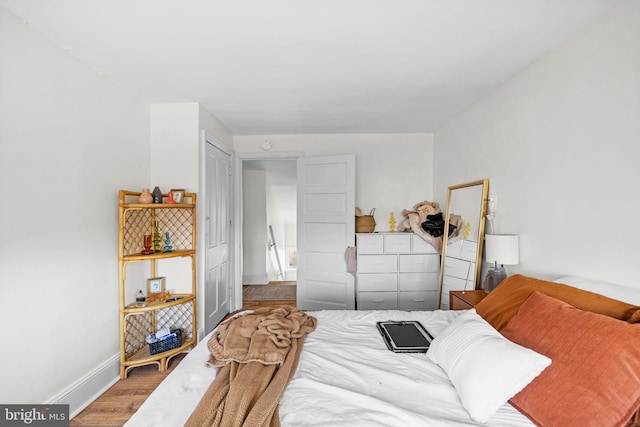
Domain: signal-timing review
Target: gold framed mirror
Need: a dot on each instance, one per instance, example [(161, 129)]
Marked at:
[(462, 245)]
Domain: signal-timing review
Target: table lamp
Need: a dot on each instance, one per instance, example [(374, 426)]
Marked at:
[(500, 249)]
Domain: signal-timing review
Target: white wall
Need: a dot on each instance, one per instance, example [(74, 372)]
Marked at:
[(560, 144), (393, 171), (175, 139), (212, 126), (69, 140), (275, 219), (254, 224), (177, 161), (176, 144), (290, 242)]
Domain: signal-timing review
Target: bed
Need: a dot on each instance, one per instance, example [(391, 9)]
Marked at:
[(471, 375)]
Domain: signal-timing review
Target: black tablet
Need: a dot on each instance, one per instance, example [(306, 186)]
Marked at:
[(405, 336)]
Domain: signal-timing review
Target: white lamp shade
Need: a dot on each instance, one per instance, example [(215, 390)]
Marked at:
[(502, 249)]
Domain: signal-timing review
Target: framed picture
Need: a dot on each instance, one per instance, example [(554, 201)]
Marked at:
[(178, 195), (155, 285)]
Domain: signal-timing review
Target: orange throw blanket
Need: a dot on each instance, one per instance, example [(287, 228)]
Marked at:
[(256, 354)]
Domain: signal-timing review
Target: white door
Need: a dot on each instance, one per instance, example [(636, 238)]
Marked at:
[(217, 286), (326, 227)]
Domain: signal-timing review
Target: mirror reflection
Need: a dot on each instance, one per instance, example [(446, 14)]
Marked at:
[(462, 246)]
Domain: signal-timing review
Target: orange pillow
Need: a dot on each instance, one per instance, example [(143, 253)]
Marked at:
[(503, 302), (594, 377)]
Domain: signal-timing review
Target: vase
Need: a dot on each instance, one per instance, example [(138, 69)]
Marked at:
[(167, 244), (145, 196), (157, 195), (147, 245)]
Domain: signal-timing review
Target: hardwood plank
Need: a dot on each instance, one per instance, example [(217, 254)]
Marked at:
[(115, 406), (248, 305)]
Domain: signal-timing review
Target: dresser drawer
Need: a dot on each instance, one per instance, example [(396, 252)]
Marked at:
[(377, 300), (454, 249), (472, 272), (427, 300), (457, 268), (421, 246), (469, 250), (377, 263), (391, 264), (456, 303), (463, 249), (464, 300), (418, 281), (397, 243), (377, 282), (370, 244), (457, 284), (419, 263)]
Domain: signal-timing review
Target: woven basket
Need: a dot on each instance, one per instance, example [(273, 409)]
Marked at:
[(167, 344), (366, 223)]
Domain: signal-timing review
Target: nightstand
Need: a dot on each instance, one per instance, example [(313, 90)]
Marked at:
[(464, 300)]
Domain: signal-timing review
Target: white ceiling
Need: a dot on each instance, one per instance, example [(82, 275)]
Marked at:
[(302, 66)]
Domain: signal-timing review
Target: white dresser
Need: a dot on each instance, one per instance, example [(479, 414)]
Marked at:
[(396, 271), (460, 269)]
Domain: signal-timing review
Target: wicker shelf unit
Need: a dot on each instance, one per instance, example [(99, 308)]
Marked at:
[(136, 220)]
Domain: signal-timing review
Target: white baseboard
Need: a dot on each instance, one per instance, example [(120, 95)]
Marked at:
[(88, 388)]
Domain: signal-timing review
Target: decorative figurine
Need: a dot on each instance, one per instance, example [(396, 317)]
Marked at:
[(147, 245), (170, 199), (157, 195), (392, 223), (467, 229), (167, 244), (145, 196), (156, 238)]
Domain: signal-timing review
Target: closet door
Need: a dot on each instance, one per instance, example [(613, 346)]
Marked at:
[(217, 286), (326, 227)]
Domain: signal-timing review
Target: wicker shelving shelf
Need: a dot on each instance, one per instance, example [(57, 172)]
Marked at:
[(159, 255), (135, 221), (143, 357)]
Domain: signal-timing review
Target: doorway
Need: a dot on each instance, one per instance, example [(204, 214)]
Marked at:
[(321, 276), (269, 220)]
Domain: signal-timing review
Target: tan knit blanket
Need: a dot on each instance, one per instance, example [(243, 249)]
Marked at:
[(256, 354)]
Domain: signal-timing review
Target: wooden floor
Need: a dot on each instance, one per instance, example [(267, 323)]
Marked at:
[(117, 405), (248, 304)]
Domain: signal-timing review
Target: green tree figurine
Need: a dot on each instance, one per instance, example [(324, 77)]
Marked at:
[(157, 240)]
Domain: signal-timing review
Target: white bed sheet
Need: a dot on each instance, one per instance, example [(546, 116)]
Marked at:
[(346, 377)]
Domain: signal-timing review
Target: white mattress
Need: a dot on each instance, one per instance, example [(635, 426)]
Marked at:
[(346, 377)]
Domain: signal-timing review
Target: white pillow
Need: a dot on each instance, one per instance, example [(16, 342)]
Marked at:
[(485, 368), (619, 292)]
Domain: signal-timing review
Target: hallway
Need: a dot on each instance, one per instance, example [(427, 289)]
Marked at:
[(273, 293)]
